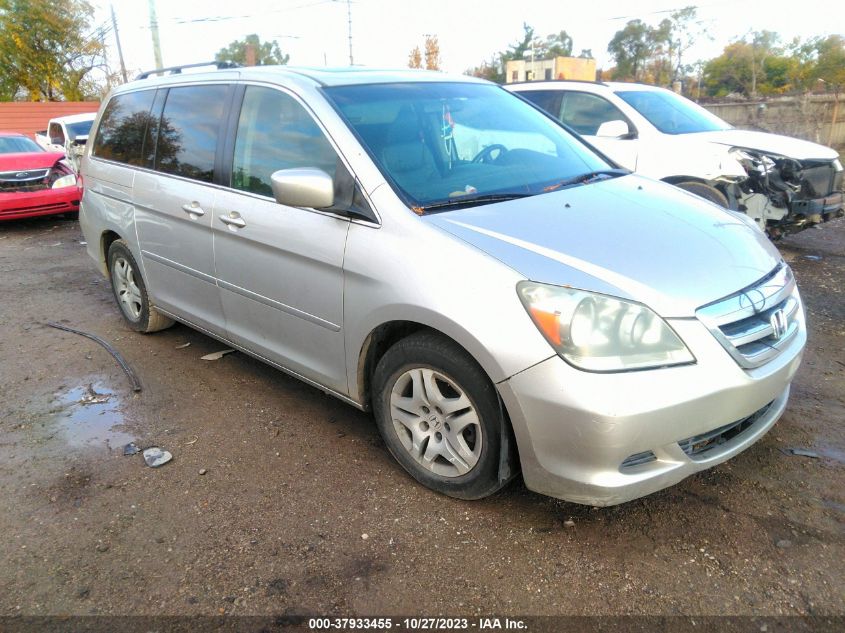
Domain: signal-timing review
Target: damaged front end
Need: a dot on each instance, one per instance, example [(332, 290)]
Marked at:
[(784, 195)]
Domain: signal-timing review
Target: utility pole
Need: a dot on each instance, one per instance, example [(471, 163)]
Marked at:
[(119, 49), (349, 22), (154, 32)]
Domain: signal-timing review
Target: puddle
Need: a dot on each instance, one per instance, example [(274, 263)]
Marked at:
[(88, 414)]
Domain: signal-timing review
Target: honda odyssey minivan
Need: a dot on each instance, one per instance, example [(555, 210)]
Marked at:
[(436, 250)]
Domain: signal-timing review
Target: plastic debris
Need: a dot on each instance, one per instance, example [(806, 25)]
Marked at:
[(801, 452), (217, 355), (183, 346), (813, 258), (156, 457), (131, 449), (92, 397)]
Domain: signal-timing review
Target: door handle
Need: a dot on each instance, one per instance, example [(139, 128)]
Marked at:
[(233, 219), (193, 207)]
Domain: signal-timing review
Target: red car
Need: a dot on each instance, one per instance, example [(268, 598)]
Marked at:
[(34, 182)]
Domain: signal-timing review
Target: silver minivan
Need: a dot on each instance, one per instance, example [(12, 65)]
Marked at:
[(437, 250)]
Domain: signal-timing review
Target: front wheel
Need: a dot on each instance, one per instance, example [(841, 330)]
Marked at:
[(705, 191), (440, 416)]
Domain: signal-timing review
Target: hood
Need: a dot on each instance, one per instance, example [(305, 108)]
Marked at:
[(770, 143), (29, 160), (629, 237)]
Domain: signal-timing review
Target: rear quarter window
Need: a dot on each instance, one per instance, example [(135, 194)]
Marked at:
[(124, 128)]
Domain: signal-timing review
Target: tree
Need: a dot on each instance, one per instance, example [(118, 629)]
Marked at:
[(432, 53), (555, 45), (415, 58), (751, 68), (266, 53), (830, 61), (631, 47), (46, 50)]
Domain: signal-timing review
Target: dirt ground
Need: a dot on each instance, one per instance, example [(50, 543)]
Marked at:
[(280, 499)]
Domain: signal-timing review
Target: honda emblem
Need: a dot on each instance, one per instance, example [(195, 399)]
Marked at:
[(778, 323)]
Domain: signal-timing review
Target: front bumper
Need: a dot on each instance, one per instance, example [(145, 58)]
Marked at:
[(14, 206), (575, 429)]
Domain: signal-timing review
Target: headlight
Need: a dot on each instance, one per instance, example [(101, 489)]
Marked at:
[(65, 181), (596, 332)]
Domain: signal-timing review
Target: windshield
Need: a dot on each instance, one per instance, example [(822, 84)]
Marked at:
[(18, 144), (78, 129), (443, 142), (671, 113)]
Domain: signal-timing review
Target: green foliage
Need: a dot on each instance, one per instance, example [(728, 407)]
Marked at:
[(655, 54), (830, 61), (762, 67), (266, 53), (555, 45), (45, 54), (632, 47)]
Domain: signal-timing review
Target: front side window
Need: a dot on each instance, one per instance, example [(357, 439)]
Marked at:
[(123, 131), (441, 142), (671, 113), (189, 129), (275, 132), (585, 112)]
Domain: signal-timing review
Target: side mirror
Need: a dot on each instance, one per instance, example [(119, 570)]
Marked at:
[(613, 129), (306, 187)]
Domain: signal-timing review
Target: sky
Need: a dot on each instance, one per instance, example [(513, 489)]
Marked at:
[(314, 32)]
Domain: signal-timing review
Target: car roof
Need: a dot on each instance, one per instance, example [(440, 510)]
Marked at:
[(75, 118), (591, 86), (5, 133), (343, 76)]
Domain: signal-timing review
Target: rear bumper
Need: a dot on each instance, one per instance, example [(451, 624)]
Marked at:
[(577, 432), (14, 206)]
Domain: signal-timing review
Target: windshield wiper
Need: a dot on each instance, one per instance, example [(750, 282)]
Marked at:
[(590, 176), (462, 201)]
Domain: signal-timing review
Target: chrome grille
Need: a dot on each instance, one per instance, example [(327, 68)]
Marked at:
[(24, 180), (755, 324)]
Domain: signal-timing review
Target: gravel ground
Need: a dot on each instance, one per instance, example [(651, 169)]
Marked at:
[(280, 499)]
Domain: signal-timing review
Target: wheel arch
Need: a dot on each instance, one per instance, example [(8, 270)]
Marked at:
[(107, 238), (385, 335)]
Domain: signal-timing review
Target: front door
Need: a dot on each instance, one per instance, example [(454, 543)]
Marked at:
[(280, 268)]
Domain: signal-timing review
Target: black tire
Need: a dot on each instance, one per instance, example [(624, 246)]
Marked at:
[(704, 191), (428, 351), (142, 317)]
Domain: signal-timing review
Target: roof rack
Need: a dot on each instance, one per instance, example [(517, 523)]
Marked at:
[(176, 70)]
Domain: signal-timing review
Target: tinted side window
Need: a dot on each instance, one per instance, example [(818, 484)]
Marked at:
[(548, 100), (123, 129), (190, 126), (585, 112), (276, 132)]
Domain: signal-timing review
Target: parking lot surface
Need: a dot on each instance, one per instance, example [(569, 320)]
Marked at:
[(280, 499)]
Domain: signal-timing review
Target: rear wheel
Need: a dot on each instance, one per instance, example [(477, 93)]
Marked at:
[(440, 416), (704, 191), (130, 292)]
